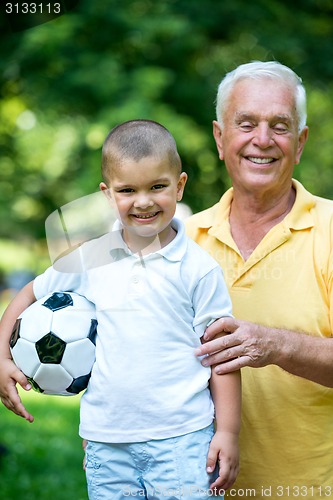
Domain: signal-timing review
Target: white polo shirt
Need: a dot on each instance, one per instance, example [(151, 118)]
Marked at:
[(146, 382)]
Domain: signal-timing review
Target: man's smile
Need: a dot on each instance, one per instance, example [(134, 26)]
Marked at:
[(260, 161)]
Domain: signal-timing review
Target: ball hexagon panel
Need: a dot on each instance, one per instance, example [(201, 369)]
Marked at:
[(78, 357), (71, 324), (37, 322), (53, 379), (25, 357)]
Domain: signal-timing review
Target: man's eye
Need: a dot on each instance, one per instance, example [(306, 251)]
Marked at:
[(280, 128), (246, 126)]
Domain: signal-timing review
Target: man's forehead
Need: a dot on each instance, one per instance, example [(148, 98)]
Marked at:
[(262, 97)]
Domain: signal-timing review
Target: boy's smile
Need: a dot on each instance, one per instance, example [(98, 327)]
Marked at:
[(145, 194)]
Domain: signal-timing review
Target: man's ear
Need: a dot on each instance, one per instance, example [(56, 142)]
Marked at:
[(217, 133), (303, 137)]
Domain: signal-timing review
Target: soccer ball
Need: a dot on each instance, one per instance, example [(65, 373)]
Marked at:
[(53, 343)]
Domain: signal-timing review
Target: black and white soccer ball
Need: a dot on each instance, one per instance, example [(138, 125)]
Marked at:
[(53, 343)]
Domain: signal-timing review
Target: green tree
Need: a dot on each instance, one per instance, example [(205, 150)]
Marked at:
[(65, 83)]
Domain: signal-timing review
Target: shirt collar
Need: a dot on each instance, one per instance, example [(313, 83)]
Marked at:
[(300, 216), (174, 251)]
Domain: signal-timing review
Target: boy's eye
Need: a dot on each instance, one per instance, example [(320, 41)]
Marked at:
[(126, 190), (158, 186)]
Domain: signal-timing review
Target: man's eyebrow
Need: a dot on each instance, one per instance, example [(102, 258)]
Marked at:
[(283, 118), (245, 116), (241, 116)]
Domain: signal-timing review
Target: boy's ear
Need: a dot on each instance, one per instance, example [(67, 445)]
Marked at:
[(103, 186), (181, 185), (106, 191)]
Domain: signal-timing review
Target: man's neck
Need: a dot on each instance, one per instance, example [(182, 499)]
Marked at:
[(252, 218)]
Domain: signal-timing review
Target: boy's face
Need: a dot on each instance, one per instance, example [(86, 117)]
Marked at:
[(145, 194)]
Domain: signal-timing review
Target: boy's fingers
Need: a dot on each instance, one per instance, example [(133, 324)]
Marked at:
[(84, 445), (12, 401), (17, 408), (22, 412), (211, 461), (227, 477), (22, 380)]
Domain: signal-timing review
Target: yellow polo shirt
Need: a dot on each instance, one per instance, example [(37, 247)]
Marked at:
[(286, 439)]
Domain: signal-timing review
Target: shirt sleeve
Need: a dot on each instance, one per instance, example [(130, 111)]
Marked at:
[(58, 278), (211, 300)]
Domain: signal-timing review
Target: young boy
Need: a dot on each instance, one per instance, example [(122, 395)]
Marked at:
[(147, 414)]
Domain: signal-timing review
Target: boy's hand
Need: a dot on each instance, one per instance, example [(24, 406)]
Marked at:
[(223, 451), (84, 462), (10, 375)]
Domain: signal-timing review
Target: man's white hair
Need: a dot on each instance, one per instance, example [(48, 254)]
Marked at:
[(260, 70)]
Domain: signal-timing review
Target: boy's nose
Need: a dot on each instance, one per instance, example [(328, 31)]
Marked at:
[(143, 201)]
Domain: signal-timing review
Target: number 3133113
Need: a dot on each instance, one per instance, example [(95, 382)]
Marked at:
[(33, 8)]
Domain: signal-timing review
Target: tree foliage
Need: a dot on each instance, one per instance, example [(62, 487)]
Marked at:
[(65, 83)]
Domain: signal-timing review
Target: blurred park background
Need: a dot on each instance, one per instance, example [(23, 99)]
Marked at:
[(65, 83)]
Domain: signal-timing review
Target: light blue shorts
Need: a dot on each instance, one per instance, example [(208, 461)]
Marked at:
[(166, 469)]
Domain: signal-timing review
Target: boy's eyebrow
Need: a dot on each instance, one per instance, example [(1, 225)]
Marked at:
[(130, 184), (161, 179)]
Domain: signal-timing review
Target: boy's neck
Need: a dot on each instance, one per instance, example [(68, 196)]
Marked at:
[(146, 245)]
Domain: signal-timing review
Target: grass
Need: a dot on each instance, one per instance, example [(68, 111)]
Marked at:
[(44, 459)]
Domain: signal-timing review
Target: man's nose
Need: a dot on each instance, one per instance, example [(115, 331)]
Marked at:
[(262, 136)]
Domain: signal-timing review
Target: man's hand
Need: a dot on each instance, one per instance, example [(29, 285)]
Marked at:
[(240, 343), (10, 375)]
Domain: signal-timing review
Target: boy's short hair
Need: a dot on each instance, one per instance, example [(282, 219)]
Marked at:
[(137, 139)]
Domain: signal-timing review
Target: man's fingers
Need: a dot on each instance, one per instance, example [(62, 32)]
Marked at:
[(221, 344), (231, 366), (220, 326)]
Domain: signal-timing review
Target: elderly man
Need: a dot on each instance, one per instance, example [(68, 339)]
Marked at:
[(274, 241)]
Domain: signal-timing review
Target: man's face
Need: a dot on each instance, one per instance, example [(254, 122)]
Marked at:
[(259, 142)]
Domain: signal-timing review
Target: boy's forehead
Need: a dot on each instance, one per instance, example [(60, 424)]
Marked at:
[(149, 166)]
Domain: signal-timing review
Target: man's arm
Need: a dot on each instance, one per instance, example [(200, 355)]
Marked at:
[(248, 344), (10, 375)]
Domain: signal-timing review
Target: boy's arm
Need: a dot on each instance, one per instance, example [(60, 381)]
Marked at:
[(10, 375), (223, 451)]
